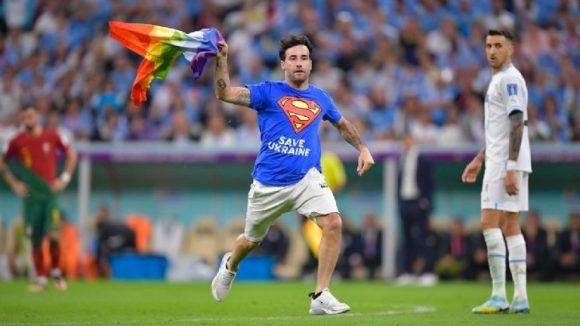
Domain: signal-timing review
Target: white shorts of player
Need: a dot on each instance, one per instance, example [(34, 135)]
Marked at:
[(494, 195), (310, 197)]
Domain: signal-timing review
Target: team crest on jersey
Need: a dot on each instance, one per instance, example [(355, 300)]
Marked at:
[(299, 111), (512, 89), (46, 147)]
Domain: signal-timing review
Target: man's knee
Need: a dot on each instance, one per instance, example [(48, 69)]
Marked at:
[(330, 223), (490, 219), (250, 244), (511, 224), (53, 236)]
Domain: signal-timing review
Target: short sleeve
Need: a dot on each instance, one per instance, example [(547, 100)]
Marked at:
[(62, 141), (9, 148), (513, 93), (332, 114), (258, 95)]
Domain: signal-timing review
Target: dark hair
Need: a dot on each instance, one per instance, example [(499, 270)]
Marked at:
[(291, 41), (27, 106), (508, 36)]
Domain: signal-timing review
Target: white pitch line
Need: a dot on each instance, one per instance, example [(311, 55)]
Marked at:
[(406, 309)]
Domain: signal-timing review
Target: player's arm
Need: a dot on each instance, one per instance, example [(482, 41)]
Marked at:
[(349, 132), (223, 89), (516, 134), (69, 166), (17, 186), (70, 163), (472, 169), (515, 143), (513, 93)]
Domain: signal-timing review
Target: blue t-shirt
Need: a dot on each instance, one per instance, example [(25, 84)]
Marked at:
[(289, 120)]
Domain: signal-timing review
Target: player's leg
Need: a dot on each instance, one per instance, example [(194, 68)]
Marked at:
[(322, 301), (313, 198), (496, 257), (329, 250), (517, 247), (408, 214), (517, 262), (492, 196), (223, 280), (55, 221), (265, 205), (242, 248), (35, 227)]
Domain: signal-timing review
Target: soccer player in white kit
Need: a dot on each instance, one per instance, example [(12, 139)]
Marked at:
[(505, 182)]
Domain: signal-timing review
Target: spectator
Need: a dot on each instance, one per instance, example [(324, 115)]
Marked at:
[(456, 252), (372, 245), (276, 243), (350, 254), (568, 248), (112, 237), (415, 192), (180, 132), (540, 264), (10, 96), (217, 134), (479, 268)]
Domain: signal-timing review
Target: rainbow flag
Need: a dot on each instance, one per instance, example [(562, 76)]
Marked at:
[(160, 46)]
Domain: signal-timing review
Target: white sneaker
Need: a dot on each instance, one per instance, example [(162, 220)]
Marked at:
[(406, 279), (326, 304), (222, 282), (428, 279)]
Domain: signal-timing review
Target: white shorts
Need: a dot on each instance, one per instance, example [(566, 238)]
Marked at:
[(494, 195), (310, 197)]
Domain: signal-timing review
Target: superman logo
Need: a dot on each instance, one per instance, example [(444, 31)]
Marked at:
[(299, 111)]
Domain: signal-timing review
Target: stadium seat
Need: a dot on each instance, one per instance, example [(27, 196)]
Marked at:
[(234, 228), (141, 225), (203, 240)]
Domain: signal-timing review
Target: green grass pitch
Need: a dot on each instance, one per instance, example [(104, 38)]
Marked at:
[(277, 303)]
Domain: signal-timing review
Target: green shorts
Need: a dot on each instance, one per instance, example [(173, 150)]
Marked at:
[(41, 215)]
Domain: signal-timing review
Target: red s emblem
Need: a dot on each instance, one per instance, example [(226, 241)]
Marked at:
[(299, 111)]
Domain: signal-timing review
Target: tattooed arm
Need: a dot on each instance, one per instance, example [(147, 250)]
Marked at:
[(516, 134), (352, 136), (223, 89)]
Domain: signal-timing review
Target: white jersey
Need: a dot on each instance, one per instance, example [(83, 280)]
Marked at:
[(507, 92)]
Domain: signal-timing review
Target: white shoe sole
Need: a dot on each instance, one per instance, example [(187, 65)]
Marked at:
[(213, 290), (322, 311), (215, 278)]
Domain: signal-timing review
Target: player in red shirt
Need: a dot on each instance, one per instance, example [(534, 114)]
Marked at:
[(35, 180)]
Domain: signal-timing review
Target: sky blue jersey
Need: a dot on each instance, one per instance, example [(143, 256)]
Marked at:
[(289, 120)]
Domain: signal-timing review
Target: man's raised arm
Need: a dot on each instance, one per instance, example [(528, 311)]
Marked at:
[(223, 89)]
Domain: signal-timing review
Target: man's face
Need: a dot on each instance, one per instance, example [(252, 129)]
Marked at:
[(29, 118), (298, 64), (498, 50)]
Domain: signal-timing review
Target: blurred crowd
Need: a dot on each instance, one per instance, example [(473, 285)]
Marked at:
[(391, 66)]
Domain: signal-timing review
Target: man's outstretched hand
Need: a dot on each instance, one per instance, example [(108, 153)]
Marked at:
[(365, 161)]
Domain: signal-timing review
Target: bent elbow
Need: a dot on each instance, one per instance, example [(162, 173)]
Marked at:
[(220, 96)]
